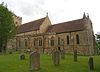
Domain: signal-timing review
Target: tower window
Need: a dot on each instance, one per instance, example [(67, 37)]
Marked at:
[(16, 22)]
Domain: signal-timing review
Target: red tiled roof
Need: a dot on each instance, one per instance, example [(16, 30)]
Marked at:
[(30, 26), (75, 25)]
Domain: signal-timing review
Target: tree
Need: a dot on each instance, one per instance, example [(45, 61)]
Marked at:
[(98, 38), (98, 43), (7, 27)]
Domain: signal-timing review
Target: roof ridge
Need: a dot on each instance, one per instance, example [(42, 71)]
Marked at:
[(35, 20), (67, 21), (74, 25)]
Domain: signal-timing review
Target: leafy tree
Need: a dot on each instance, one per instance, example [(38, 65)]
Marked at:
[(7, 27), (98, 43), (98, 38)]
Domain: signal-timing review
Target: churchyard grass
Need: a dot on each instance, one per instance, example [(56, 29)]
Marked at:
[(12, 63)]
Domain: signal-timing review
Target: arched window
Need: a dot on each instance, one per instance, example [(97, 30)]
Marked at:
[(58, 40), (35, 42), (67, 39), (52, 41), (40, 42), (77, 39)]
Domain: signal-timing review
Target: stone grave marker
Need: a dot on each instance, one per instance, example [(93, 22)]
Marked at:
[(10, 52), (56, 58), (91, 63), (75, 55), (34, 63), (22, 56)]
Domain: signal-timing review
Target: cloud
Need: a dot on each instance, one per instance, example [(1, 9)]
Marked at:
[(31, 10), (25, 7), (59, 10), (30, 7)]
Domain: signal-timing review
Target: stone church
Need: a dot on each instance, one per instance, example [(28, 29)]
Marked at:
[(42, 35)]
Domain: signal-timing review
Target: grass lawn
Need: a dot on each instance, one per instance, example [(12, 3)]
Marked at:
[(11, 63)]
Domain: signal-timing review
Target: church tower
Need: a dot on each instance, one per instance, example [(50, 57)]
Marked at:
[(17, 20)]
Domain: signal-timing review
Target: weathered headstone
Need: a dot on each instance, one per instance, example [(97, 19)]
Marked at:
[(34, 63), (10, 52), (91, 63), (75, 55), (22, 56), (62, 54), (56, 58)]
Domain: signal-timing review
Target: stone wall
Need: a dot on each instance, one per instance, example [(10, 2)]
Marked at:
[(44, 26), (83, 47)]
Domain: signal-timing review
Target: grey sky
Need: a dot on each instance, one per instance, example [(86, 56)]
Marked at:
[(58, 10)]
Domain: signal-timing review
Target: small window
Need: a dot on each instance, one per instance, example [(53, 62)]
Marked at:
[(59, 49), (40, 42), (15, 22), (77, 39), (67, 39), (52, 42), (58, 40)]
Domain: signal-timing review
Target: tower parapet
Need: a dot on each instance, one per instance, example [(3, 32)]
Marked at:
[(17, 20)]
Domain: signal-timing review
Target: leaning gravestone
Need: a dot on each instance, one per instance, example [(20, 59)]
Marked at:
[(34, 63), (62, 54), (91, 63), (22, 56), (56, 58), (75, 55)]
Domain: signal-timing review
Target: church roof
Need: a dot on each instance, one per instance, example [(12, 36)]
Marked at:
[(30, 26), (75, 25)]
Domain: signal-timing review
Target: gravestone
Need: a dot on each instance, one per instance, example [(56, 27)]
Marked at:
[(62, 54), (10, 52), (75, 55), (56, 58), (91, 63), (34, 63), (22, 56)]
